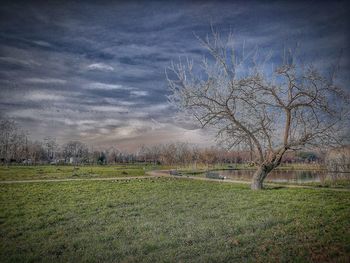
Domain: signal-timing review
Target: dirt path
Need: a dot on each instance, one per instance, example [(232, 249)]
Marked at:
[(165, 173)]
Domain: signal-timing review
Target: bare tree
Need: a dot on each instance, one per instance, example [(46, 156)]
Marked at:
[(273, 111), (168, 155), (36, 152), (338, 159), (76, 150), (12, 141), (51, 148), (112, 155), (209, 156), (18, 146)]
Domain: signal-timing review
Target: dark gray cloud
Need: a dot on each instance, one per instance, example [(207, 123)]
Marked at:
[(95, 71)]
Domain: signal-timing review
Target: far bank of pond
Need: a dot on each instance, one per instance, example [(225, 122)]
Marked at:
[(304, 177)]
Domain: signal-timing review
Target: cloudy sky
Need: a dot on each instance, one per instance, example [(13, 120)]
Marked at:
[(94, 70)]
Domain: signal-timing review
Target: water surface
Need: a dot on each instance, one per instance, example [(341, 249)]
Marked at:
[(288, 176)]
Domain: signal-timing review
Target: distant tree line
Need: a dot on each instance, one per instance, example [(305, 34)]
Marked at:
[(17, 148), (338, 160)]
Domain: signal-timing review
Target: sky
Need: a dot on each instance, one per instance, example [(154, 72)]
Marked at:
[(94, 70)]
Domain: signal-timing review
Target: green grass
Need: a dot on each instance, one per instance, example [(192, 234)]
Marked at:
[(64, 172), (171, 220), (330, 184)]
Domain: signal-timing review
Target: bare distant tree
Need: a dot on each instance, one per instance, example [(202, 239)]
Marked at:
[(168, 155), (18, 146), (112, 155), (338, 159), (155, 152), (182, 154), (50, 147), (36, 151), (76, 150), (209, 156), (12, 141), (273, 111)]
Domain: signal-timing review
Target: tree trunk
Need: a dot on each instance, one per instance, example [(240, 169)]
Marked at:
[(259, 177)]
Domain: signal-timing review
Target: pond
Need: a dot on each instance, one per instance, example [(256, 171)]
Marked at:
[(288, 176)]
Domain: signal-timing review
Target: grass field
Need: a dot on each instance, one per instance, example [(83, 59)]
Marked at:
[(171, 220), (66, 171), (337, 184)]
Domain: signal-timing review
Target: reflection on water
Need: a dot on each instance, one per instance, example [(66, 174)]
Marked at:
[(288, 176)]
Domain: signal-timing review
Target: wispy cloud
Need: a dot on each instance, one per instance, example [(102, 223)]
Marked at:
[(109, 108), (100, 66), (42, 43), (44, 96), (45, 81), (104, 86), (139, 93), (18, 61)]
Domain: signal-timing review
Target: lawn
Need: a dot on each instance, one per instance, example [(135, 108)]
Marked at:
[(67, 171), (171, 220)]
